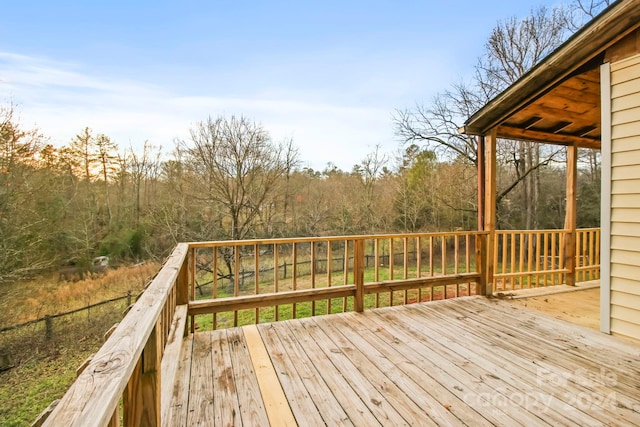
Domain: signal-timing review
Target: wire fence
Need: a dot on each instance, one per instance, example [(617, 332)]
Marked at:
[(51, 334)]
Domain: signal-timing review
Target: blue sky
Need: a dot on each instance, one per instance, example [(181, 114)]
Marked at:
[(328, 74)]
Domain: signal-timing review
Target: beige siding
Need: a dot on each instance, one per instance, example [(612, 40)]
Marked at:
[(628, 186), (625, 197)]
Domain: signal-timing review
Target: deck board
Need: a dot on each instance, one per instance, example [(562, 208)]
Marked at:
[(468, 361)]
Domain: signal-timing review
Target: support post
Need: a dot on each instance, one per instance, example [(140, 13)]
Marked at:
[(570, 216), (481, 183), (490, 206), (358, 274)]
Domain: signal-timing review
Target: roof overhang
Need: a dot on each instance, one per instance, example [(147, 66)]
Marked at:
[(558, 101)]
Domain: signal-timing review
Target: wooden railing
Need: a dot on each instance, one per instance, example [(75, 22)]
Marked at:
[(124, 379), (587, 254), (251, 281), (218, 284), (527, 259)]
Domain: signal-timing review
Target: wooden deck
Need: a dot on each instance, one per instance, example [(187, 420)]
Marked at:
[(468, 361)]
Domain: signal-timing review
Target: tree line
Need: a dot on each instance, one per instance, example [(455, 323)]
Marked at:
[(230, 180)]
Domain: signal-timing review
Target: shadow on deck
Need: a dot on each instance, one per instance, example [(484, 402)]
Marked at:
[(472, 360)]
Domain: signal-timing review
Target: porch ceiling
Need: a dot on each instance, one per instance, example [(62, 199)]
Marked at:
[(558, 100), (568, 114)]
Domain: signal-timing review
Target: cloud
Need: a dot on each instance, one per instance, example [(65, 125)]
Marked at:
[(61, 99)]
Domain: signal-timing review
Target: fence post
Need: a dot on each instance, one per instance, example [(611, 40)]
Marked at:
[(358, 274)]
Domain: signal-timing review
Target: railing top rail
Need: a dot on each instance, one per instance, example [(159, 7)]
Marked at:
[(546, 230), (285, 240), (93, 397)]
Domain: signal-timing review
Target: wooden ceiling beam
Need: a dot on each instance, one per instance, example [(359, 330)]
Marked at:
[(509, 132), (541, 110)]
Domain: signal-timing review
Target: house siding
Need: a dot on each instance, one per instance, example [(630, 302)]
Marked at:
[(625, 197)]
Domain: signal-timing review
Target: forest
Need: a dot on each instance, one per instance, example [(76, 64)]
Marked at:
[(64, 204)]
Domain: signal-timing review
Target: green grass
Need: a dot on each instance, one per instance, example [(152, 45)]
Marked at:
[(29, 388), (307, 309)]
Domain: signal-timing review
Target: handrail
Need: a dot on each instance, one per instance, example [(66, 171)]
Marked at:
[(537, 258), (129, 360), (127, 372), (303, 271)]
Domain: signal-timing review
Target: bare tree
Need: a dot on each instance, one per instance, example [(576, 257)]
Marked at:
[(238, 167), (512, 49), (583, 11)]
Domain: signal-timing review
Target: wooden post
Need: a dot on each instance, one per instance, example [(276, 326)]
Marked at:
[(490, 206), (481, 183), (570, 216), (358, 274), (481, 263)]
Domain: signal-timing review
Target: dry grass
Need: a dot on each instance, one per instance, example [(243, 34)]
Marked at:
[(21, 302), (44, 366)]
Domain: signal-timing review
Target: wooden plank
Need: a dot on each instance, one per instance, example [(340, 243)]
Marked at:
[(418, 282), (356, 341), (250, 397), (581, 342), (555, 406), (490, 207), (445, 370), (355, 408), (358, 274), (306, 402), (171, 356), (570, 220), (175, 414), (372, 397), (354, 326), (270, 299), (224, 399), (275, 401), (251, 242), (533, 362), (547, 137), (201, 396), (580, 357), (343, 351)]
